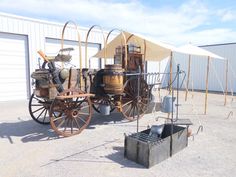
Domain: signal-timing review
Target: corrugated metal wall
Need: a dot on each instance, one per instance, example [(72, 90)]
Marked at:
[(227, 51)]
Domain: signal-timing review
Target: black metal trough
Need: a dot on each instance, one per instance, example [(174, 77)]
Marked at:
[(148, 150)]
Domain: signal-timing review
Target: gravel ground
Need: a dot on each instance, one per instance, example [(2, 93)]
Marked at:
[(29, 149)]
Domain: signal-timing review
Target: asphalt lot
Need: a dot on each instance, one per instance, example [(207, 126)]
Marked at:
[(29, 149)]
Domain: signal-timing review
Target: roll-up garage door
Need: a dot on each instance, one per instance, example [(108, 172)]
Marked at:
[(13, 67), (53, 46)]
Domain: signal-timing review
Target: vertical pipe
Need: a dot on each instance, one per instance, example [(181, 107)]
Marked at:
[(207, 76), (171, 65), (226, 81), (177, 97), (189, 67), (172, 117), (139, 75)]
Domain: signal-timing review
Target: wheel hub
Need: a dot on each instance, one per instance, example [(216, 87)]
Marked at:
[(74, 113)]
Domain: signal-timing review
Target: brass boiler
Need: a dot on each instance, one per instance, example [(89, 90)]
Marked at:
[(113, 79)]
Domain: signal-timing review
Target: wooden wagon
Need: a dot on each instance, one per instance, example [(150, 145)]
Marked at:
[(66, 97)]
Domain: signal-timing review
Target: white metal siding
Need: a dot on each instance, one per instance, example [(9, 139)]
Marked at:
[(38, 31), (13, 67)]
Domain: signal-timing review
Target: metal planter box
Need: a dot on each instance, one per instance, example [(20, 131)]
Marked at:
[(148, 151)]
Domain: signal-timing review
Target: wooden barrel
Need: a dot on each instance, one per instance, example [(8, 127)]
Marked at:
[(113, 79)]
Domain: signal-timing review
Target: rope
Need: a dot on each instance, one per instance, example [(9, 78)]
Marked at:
[(217, 77), (230, 67), (231, 90)]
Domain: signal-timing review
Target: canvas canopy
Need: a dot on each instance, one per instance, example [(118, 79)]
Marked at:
[(154, 51), (194, 50)]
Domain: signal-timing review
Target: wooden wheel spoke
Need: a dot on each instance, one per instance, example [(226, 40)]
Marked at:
[(76, 122), (80, 118), (85, 107), (58, 118), (38, 109), (36, 105), (61, 123), (45, 115), (65, 127), (41, 100), (129, 94), (128, 108), (71, 127), (134, 110), (140, 107), (41, 113), (132, 107), (79, 103), (127, 103), (83, 113)]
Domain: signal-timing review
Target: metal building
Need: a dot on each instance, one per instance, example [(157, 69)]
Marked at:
[(21, 38)]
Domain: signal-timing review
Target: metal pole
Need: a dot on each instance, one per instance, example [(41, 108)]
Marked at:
[(189, 67), (139, 74), (207, 76), (226, 81), (177, 99), (171, 65), (172, 116)]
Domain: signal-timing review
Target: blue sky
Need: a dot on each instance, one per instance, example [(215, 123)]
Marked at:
[(173, 21)]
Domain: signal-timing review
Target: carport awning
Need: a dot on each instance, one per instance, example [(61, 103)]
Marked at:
[(194, 50), (154, 51)]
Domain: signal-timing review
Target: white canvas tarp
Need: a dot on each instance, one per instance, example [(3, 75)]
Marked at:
[(194, 50), (154, 51)]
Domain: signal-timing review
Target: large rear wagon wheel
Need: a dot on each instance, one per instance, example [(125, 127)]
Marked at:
[(39, 109), (69, 116), (132, 105)]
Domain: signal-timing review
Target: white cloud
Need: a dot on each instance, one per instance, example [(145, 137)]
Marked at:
[(204, 37), (176, 26), (226, 15)]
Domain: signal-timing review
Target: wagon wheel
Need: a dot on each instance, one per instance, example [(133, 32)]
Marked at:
[(131, 104), (39, 109), (69, 116), (101, 100)]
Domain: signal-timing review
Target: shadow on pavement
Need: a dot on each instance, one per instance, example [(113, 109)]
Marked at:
[(118, 157), (28, 131), (99, 119), (89, 155)]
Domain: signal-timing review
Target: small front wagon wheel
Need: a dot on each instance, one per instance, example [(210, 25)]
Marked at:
[(39, 109), (70, 115)]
